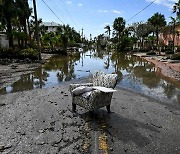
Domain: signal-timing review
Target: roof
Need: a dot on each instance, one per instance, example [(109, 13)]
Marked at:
[(50, 24)]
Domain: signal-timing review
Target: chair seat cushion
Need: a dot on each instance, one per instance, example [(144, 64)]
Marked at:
[(82, 89)]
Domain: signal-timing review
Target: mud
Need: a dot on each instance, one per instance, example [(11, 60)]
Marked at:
[(12, 70), (168, 68)]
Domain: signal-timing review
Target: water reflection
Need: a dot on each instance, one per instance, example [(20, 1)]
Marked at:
[(63, 66), (134, 73)]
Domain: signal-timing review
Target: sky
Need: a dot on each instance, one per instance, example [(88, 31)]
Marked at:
[(94, 15)]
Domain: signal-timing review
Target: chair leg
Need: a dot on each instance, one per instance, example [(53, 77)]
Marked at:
[(91, 113), (108, 108), (73, 107)]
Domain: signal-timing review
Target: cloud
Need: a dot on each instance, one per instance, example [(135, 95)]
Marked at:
[(167, 3), (69, 2), (102, 11), (112, 11), (80, 4), (116, 11)]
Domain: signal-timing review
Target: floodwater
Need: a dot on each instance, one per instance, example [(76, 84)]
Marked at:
[(134, 74)]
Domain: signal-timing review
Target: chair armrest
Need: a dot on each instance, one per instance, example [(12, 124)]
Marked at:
[(98, 93), (73, 86)]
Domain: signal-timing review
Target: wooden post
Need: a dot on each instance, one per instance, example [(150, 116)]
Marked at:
[(37, 29)]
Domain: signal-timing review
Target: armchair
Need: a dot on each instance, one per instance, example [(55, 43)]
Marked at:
[(95, 98)]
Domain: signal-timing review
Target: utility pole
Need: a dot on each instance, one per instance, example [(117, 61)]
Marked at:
[(90, 37), (82, 34), (36, 29)]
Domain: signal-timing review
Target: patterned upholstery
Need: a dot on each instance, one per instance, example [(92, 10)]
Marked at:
[(104, 80), (96, 99)]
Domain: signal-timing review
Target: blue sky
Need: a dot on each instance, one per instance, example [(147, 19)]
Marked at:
[(94, 15)]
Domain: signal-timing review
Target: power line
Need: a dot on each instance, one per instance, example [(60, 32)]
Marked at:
[(68, 12), (53, 12), (57, 8), (141, 10)]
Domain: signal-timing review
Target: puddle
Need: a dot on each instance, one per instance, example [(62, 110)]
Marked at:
[(134, 74)]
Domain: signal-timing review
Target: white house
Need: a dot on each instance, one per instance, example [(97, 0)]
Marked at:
[(51, 26), (4, 42)]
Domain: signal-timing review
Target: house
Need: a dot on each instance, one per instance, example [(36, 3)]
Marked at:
[(51, 26), (166, 37), (4, 42)]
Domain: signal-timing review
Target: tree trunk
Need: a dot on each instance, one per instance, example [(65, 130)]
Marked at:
[(153, 41), (37, 29), (9, 32), (157, 40), (25, 31), (29, 31), (19, 40)]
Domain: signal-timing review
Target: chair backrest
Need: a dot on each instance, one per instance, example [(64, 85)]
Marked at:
[(104, 80)]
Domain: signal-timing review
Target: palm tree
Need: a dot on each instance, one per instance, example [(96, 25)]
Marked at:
[(108, 30), (157, 21), (176, 8), (23, 12), (119, 25), (8, 11), (14, 15), (142, 31), (67, 35)]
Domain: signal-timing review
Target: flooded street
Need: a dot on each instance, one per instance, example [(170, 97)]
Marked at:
[(134, 74), (42, 121)]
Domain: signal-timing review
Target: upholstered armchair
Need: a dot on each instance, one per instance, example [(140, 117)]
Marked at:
[(91, 98)]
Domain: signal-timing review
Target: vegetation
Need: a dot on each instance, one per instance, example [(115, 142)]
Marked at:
[(19, 54), (144, 35), (108, 30), (176, 8), (141, 36), (18, 23), (175, 56), (14, 15), (157, 21)]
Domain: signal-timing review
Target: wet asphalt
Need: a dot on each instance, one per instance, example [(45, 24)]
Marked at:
[(41, 121)]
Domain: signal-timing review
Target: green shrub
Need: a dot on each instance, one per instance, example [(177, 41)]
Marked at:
[(175, 56), (151, 53), (178, 49), (169, 52), (9, 53), (168, 48), (47, 47), (15, 53), (29, 53)]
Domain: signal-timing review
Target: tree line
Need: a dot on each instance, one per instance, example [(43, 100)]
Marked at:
[(146, 34), (17, 21)]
